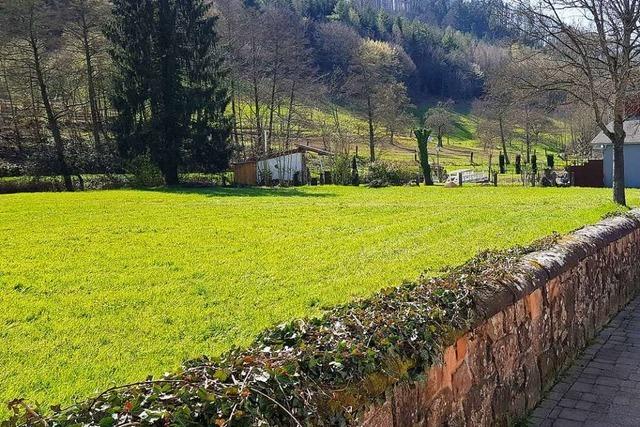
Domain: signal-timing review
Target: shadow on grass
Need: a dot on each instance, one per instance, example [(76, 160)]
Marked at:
[(239, 191)]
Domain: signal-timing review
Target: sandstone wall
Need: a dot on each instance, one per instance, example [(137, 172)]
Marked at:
[(530, 331)]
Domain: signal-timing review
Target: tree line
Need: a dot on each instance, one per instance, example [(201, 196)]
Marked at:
[(85, 89), (363, 55), (97, 86)]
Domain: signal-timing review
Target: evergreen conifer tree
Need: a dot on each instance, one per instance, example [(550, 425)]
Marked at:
[(169, 87)]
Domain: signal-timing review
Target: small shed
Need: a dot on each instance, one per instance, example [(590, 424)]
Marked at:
[(631, 154), (284, 166), (245, 173)]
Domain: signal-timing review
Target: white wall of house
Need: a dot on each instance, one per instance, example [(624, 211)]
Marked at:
[(282, 168), (631, 165)]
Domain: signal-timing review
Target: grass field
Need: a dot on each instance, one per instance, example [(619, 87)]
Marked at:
[(106, 287)]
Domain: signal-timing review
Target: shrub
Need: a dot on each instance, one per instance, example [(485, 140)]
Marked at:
[(265, 177), (341, 170), (145, 172), (30, 185), (35, 184), (107, 182), (392, 173), (377, 183), (355, 175)]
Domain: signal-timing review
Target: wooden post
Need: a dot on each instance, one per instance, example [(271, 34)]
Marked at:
[(495, 179), (460, 179)]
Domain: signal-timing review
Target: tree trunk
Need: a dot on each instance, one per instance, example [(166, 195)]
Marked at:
[(527, 141), (170, 174), (372, 148), (91, 88), (423, 150), (51, 117), (14, 111), (503, 140), (618, 161), (105, 107), (256, 102), (234, 112), (241, 128), (440, 145), (256, 93), (272, 101), (290, 113), (34, 109)]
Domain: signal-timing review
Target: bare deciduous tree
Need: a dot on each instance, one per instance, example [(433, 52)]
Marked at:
[(498, 105), (86, 25), (533, 119), (590, 51), (440, 120), (393, 105), (33, 30), (377, 64), (271, 70), (580, 129)]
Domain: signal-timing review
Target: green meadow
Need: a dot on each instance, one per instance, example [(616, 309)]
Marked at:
[(104, 288)]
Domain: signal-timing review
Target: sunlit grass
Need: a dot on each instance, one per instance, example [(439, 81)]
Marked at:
[(101, 288)]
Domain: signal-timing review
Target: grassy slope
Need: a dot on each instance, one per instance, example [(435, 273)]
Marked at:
[(106, 287), (455, 153)]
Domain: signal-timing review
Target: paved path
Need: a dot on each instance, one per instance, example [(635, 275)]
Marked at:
[(603, 386)]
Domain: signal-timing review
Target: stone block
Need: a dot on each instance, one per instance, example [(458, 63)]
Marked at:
[(461, 347), (434, 381), (534, 304), (478, 403), (501, 403), (462, 381), (495, 326), (440, 408), (520, 312), (553, 289), (449, 366), (533, 383), (505, 354), (405, 399)]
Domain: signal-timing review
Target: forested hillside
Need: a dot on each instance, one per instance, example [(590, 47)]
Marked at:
[(347, 74)]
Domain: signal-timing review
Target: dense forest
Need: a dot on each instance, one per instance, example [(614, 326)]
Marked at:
[(77, 96)]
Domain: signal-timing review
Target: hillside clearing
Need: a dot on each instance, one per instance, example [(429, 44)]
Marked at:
[(102, 288)]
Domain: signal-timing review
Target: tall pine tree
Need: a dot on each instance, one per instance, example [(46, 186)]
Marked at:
[(169, 87), (207, 99)]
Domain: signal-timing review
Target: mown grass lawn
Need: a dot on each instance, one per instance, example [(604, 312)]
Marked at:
[(101, 288)]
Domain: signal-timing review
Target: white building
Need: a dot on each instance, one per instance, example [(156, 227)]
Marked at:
[(631, 154), (288, 166)]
